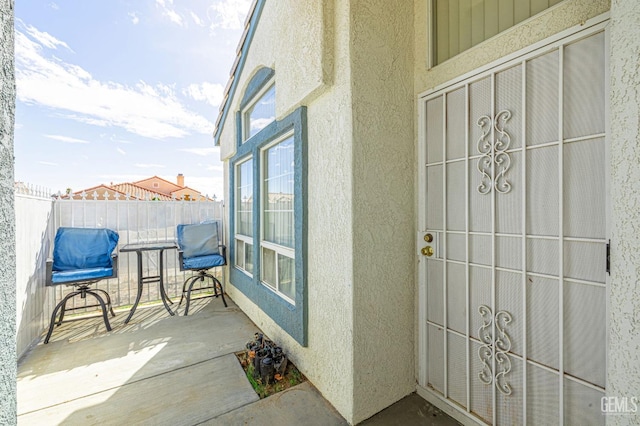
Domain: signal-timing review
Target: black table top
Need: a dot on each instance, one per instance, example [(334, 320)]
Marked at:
[(149, 245)]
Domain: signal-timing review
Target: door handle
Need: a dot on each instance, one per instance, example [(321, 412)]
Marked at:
[(427, 251)]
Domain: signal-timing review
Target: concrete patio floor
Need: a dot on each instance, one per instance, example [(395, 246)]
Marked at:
[(163, 370)]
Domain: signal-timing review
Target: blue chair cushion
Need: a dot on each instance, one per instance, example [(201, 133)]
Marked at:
[(83, 248), (62, 277), (203, 262), (199, 239)]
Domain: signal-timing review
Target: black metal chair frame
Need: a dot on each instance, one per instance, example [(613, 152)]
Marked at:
[(82, 290), (202, 273)]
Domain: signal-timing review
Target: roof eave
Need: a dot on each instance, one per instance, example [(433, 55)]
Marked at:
[(241, 54)]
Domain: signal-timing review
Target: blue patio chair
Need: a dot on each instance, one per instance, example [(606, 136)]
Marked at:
[(200, 249), (81, 258)]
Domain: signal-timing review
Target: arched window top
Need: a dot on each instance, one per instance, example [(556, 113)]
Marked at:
[(263, 76), (258, 106)]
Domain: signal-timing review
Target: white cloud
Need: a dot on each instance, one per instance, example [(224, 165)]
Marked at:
[(66, 139), (229, 14), (149, 166), (174, 17), (42, 37), (47, 163), (209, 92), (121, 151), (168, 11), (117, 140), (261, 123), (145, 110), (203, 152), (134, 18), (196, 19), (54, 6)]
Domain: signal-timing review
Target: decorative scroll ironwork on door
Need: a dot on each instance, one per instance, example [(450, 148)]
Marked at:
[(495, 160), (495, 345)]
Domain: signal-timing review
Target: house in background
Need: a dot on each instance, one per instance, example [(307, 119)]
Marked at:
[(461, 210), (153, 188)]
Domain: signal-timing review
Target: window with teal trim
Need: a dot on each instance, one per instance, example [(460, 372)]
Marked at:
[(268, 217), (277, 225), (244, 216), (260, 113)]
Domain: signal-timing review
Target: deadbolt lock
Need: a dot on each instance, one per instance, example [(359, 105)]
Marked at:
[(427, 251), (428, 238)]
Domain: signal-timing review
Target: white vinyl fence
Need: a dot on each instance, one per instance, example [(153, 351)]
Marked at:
[(38, 216), (34, 302), (136, 221)]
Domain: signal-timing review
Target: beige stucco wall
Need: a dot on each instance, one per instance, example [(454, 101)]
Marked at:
[(348, 62), (301, 54), (383, 206), (305, 75), (564, 15), (623, 377)]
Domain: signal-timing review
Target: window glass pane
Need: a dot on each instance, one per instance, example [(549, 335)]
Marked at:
[(244, 199), (286, 274), (240, 253), (248, 258), (278, 198), (269, 267), (261, 113)]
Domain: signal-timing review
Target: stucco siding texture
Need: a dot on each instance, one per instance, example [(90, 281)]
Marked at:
[(383, 203), (7, 219), (564, 15), (623, 378), (330, 234), (304, 64), (297, 53), (351, 64)]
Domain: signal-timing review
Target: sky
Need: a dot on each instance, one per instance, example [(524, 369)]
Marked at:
[(121, 90)]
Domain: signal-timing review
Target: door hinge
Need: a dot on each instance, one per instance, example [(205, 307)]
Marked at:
[(609, 257)]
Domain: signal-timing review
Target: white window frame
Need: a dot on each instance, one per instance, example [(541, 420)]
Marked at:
[(277, 248), (246, 120), (241, 237)]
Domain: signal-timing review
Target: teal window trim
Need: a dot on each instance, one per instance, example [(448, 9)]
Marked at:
[(256, 84), (260, 80), (292, 318)]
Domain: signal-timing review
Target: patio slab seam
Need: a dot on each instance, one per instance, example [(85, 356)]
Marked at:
[(221, 379), (133, 382)]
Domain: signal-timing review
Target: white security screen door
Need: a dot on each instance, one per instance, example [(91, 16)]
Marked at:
[(514, 238)]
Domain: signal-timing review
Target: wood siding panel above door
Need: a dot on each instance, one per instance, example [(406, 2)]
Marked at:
[(477, 22), (521, 10), (454, 27), (538, 6), (442, 30), (505, 14), (461, 24), (464, 11), (490, 18)]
